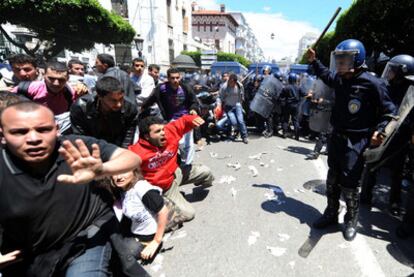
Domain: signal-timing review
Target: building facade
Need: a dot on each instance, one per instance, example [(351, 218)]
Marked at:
[(215, 28), (246, 42), (305, 42)]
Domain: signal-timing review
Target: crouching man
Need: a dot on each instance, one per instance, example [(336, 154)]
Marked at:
[(158, 147)]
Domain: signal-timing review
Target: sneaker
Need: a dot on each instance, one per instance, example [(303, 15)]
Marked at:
[(245, 141)]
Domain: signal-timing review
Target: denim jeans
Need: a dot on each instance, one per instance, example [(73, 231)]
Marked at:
[(93, 263), (235, 114)]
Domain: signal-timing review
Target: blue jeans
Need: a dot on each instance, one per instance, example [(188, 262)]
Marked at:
[(235, 114), (93, 263)]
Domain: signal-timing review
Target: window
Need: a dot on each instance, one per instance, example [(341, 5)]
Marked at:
[(169, 12), (171, 50), (185, 21)]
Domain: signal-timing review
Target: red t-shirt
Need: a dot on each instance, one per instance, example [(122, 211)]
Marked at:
[(159, 164)]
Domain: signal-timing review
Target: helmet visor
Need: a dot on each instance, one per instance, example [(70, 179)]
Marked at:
[(344, 61)]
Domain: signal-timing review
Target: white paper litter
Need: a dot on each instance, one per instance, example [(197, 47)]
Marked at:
[(253, 237), (279, 169), (292, 264), (213, 155), (272, 161), (276, 251), (253, 170), (283, 237), (236, 165), (257, 156), (233, 192), (227, 179)]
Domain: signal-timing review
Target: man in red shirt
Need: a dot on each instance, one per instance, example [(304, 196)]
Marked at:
[(158, 148)]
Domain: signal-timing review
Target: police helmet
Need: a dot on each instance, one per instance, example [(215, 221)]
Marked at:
[(293, 78), (266, 68), (401, 66), (348, 55)]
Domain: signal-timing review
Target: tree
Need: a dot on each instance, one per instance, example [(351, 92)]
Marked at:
[(75, 25), (221, 57), (384, 26)]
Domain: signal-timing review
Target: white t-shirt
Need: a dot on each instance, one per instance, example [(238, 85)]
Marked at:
[(144, 222)]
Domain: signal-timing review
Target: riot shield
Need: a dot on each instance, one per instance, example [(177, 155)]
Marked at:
[(320, 113), (263, 101), (376, 155)]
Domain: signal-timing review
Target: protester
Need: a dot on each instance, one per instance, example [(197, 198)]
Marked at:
[(158, 149), (24, 68), (69, 223), (107, 115)]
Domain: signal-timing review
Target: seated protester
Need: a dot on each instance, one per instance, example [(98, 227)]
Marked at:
[(158, 147), (24, 68), (105, 65), (108, 115), (143, 204), (50, 209)]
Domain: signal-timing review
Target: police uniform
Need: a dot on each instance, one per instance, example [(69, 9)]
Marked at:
[(360, 108), (290, 98)]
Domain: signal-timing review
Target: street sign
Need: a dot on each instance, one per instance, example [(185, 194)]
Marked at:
[(208, 57)]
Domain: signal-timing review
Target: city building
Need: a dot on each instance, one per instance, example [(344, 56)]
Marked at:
[(163, 31), (215, 28), (305, 42), (246, 42)]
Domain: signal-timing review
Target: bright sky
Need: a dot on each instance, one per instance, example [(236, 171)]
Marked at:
[(289, 20)]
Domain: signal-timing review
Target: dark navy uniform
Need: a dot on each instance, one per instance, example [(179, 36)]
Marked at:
[(290, 97), (361, 106)]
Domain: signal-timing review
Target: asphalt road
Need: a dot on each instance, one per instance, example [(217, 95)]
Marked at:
[(260, 225)]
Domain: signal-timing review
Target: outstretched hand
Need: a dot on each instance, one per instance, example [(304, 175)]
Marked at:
[(198, 121), (84, 165), (9, 257)]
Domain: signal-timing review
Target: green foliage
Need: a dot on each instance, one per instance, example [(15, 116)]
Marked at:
[(196, 55), (221, 57), (230, 57), (72, 24), (382, 25)]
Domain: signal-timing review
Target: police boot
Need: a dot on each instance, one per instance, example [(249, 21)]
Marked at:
[(330, 215), (351, 217)]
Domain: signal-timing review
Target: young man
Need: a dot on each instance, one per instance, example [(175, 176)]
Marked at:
[(359, 115), (77, 76), (107, 115), (105, 64), (174, 100), (154, 72), (50, 209), (24, 68), (158, 147), (144, 82), (53, 92), (230, 100)]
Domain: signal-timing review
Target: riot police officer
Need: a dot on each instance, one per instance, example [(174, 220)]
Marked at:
[(358, 116), (399, 72), (290, 97)]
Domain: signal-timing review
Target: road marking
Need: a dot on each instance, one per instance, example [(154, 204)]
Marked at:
[(363, 254)]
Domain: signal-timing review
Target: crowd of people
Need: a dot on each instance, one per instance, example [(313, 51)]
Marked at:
[(92, 162)]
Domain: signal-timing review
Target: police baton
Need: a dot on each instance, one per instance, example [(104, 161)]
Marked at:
[(327, 27)]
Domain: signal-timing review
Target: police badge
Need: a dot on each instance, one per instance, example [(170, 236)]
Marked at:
[(354, 106)]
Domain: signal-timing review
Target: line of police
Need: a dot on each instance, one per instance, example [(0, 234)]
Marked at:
[(350, 109)]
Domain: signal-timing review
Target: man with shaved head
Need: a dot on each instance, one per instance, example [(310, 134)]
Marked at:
[(51, 212)]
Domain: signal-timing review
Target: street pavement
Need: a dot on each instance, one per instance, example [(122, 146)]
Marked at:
[(256, 221)]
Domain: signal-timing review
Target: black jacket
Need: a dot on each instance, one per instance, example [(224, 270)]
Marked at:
[(115, 127), (162, 100), (128, 87)]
